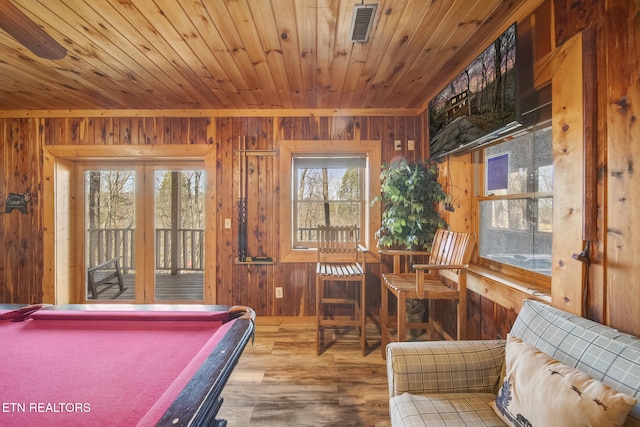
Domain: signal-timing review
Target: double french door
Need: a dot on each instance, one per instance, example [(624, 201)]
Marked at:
[(143, 225)]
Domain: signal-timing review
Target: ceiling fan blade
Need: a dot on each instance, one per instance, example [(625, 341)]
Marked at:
[(28, 33)]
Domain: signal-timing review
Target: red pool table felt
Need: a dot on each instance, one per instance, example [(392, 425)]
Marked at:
[(84, 368)]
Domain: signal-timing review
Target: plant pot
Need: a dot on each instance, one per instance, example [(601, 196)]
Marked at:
[(415, 313)]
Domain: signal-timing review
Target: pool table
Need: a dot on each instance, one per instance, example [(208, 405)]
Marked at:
[(118, 365)]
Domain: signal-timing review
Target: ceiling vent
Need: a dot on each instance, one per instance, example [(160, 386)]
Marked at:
[(362, 22)]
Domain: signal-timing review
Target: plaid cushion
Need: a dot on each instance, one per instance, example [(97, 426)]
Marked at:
[(603, 353), (444, 366), (438, 410)]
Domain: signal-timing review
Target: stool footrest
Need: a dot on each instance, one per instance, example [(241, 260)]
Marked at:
[(350, 301), (340, 323)]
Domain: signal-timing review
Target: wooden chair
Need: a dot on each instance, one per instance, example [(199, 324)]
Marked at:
[(341, 259), (111, 276), (443, 277)]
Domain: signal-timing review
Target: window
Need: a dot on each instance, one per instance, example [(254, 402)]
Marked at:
[(327, 190), (516, 202), (326, 182)]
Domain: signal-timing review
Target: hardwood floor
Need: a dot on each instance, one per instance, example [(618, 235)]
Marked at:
[(279, 380)]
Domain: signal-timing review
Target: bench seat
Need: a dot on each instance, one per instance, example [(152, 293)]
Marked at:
[(442, 277)]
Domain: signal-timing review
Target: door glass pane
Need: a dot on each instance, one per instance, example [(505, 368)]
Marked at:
[(179, 235), (110, 230)]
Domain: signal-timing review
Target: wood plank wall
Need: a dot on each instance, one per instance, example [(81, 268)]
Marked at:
[(255, 285), (236, 284), (613, 285), (618, 251), (126, 130), (21, 266), (611, 30), (608, 96)]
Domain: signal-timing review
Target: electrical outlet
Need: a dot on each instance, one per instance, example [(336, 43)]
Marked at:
[(398, 145), (227, 223), (279, 292), (410, 145)]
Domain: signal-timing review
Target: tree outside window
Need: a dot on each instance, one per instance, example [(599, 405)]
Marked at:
[(328, 190)]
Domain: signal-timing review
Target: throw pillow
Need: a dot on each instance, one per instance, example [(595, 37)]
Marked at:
[(541, 391)]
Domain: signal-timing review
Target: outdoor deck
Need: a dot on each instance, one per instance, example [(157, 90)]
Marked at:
[(181, 287)]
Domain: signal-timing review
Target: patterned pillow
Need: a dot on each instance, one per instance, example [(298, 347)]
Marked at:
[(540, 391)]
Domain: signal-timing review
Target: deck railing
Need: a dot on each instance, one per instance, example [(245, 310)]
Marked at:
[(310, 234), (108, 243), (182, 249), (186, 254)]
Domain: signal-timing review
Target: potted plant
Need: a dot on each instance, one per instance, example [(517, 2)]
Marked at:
[(410, 195)]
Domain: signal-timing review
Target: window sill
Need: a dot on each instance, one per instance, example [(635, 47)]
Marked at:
[(503, 289), (300, 255), (310, 255)]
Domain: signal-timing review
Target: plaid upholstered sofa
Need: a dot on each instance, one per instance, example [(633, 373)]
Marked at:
[(457, 383)]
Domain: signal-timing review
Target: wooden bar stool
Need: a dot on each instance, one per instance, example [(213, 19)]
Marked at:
[(341, 259)]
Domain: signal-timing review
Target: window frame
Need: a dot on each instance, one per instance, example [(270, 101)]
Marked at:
[(297, 202), (371, 149), (62, 245), (535, 278), (144, 221)]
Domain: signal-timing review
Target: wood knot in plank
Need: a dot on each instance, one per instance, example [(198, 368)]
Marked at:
[(623, 103)]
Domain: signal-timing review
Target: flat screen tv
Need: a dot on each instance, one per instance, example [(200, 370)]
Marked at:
[(480, 104)]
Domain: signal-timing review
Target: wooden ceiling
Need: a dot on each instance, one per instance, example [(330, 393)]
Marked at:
[(245, 54)]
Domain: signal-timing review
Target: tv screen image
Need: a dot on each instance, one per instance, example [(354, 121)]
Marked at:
[(480, 102)]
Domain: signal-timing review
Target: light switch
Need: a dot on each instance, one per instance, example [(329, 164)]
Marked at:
[(227, 223), (398, 145), (410, 145)]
